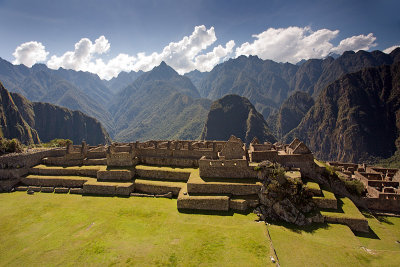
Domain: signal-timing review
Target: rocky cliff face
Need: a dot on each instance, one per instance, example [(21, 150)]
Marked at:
[(71, 89), (12, 124), (235, 115), (267, 83), (32, 122), (356, 118), (290, 113)]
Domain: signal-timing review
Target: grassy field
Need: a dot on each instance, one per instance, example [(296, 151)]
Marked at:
[(337, 245), (57, 229)]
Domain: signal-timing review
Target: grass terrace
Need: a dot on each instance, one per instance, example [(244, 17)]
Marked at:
[(70, 230)]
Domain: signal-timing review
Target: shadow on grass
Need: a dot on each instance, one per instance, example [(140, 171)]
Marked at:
[(306, 228), (207, 212), (383, 219), (380, 218), (371, 234)]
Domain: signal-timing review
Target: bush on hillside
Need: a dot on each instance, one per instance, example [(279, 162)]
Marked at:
[(10, 146), (58, 143)]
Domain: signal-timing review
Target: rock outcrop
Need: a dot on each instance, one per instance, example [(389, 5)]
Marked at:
[(12, 123), (283, 198), (235, 115)]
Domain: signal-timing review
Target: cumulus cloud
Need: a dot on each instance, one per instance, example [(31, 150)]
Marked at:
[(208, 61), (390, 49), (30, 53), (293, 44), (359, 42), (196, 51), (81, 57), (184, 55)]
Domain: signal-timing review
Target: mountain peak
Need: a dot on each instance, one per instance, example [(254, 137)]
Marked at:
[(235, 115)]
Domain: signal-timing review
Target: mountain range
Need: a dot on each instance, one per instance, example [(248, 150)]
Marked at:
[(356, 118), (161, 104)]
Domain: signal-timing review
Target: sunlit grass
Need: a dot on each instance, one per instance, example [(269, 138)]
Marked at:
[(53, 229)]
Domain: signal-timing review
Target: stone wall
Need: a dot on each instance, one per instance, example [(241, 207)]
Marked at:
[(380, 203), (223, 168), (163, 175), (359, 225), (16, 165), (175, 162)]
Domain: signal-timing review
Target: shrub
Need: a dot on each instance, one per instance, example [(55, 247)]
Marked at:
[(58, 143), (10, 146)]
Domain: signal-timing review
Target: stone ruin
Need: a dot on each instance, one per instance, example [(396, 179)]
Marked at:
[(202, 175), (381, 184)]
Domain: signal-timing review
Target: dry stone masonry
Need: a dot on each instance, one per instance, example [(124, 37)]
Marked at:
[(202, 175)]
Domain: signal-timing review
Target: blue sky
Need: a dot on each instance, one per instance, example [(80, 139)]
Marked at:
[(135, 35)]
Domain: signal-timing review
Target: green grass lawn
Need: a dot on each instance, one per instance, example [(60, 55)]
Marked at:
[(57, 229), (337, 245)]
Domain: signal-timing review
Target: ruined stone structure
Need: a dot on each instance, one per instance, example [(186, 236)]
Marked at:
[(382, 184), (203, 175)]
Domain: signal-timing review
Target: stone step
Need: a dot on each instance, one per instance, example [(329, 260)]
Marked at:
[(163, 173), (108, 188), (350, 215), (59, 170), (158, 187), (55, 181), (212, 203), (326, 201), (62, 161), (238, 187), (102, 161), (243, 203), (314, 188), (115, 175)]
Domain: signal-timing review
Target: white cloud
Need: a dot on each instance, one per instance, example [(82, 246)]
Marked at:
[(184, 55), (81, 57), (208, 61), (29, 53), (359, 42), (195, 51), (293, 44), (390, 49)]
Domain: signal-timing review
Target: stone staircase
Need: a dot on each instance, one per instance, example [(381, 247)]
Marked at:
[(338, 210)]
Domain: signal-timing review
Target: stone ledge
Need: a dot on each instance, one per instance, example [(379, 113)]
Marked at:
[(61, 190), (158, 187), (115, 175), (217, 203), (47, 189)]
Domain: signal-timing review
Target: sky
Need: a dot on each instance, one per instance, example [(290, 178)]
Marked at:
[(107, 37)]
